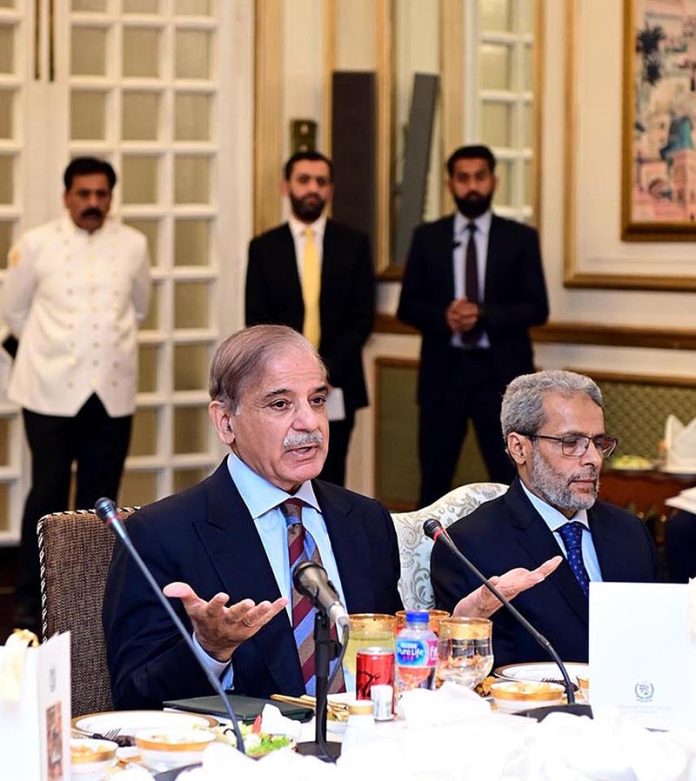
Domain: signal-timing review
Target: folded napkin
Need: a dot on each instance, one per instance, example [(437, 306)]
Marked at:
[(449, 704), (680, 443), (684, 500)]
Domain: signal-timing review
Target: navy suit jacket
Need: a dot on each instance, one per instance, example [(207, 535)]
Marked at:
[(508, 532), (206, 537), (346, 301), (514, 299)]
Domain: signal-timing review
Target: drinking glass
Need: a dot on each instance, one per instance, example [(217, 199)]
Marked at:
[(368, 630), (465, 650), (434, 618)]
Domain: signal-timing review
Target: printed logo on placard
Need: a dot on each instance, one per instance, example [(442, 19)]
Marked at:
[(644, 691)]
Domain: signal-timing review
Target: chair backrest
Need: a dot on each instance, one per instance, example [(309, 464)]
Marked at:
[(415, 547), (75, 550)]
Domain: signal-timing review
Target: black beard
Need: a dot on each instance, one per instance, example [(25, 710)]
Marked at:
[(474, 204), (307, 211)]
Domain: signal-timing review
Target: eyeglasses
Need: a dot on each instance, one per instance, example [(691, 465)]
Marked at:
[(576, 445)]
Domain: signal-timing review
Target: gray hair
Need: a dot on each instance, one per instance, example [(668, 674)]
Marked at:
[(242, 359), (523, 403)]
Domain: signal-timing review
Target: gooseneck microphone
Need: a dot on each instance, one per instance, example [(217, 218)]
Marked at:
[(312, 581), (436, 531), (107, 512)]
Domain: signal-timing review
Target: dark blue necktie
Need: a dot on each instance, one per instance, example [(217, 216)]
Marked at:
[(571, 534)]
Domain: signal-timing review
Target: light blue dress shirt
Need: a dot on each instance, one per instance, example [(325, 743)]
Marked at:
[(554, 519), (262, 499)]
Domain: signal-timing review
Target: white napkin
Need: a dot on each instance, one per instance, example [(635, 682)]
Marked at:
[(449, 704), (684, 500), (680, 442), (274, 723)]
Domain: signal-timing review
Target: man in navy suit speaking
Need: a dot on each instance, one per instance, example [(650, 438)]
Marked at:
[(553, 422), (225, 548)]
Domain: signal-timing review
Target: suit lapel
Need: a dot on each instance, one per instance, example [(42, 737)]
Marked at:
[(287, 274), (538, 540), (607, 541), (496, 250), (445, 249), (237, 553), (349, 547)]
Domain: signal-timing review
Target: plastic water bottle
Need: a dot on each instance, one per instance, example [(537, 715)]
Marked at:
[(416, 653)]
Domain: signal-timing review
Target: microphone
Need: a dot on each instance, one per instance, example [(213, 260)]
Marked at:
[(106, 510), (312, 581), (435, 530)]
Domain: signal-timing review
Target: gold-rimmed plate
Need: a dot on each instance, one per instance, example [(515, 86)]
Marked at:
[(128, 722), (541, 671)]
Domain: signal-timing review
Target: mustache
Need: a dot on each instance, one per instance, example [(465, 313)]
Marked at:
[(92, 212), (591, 474), (303, 439)]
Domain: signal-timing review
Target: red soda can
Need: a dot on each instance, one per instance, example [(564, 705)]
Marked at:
[(373, 666)]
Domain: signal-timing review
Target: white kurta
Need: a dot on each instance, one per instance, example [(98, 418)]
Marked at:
[(75, 300)]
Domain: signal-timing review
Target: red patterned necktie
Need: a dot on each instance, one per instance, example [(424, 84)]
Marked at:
[(302, 547)]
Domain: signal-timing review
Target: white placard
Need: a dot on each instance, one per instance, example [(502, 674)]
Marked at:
[(643, 653), (35, 730)]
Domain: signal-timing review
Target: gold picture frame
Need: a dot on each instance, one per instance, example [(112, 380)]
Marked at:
[(658, 199), (606, 248)]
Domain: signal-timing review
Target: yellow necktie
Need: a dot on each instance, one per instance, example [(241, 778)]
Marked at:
[(311, 284)]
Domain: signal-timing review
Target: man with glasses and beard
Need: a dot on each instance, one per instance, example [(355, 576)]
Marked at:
[(473, 286), (75, 291), (553, 424), (316, 276)]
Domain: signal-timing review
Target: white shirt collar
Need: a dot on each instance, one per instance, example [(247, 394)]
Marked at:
[(483, 223), (298, 228), (553, 518), (259, 495)]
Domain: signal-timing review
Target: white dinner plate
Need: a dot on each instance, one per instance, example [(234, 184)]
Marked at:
[(541, 671), (128, 722)]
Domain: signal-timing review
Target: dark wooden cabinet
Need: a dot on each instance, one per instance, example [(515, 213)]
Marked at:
[(644, 492)]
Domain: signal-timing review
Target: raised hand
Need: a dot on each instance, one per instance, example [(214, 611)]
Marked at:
[(220, 630), (482, 604)]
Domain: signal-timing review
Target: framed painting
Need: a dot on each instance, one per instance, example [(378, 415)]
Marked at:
[(658, 199), (612, 238)]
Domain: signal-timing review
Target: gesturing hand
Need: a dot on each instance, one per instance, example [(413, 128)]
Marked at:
[(482, 604), (221, 630)]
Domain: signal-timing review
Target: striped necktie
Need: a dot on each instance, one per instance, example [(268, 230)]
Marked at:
[(302, 547), (311, 288), (571, 534)]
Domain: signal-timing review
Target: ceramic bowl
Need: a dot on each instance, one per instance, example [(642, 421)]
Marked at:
[(162, 749), (91, 759), (584, 684), (513, 696)]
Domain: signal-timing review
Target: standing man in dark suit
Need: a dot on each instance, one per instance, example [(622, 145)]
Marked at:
[(553, 422), (473, 286), (316, 276)]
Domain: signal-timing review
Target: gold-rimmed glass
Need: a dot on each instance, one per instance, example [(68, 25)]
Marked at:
[(368, 630), (434, 618), (465, 650)]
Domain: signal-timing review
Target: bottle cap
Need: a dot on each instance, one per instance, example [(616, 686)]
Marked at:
[(417, 617)]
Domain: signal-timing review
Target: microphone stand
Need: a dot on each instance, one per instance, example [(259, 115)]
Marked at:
[(436, 531), (107, 512), (326, 649)]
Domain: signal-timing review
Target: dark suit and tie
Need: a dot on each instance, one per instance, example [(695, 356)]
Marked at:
[(462, 379), (508, 532), (205, 536)]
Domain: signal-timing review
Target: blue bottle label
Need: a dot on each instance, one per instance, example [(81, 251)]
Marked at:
[(415, 652)]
